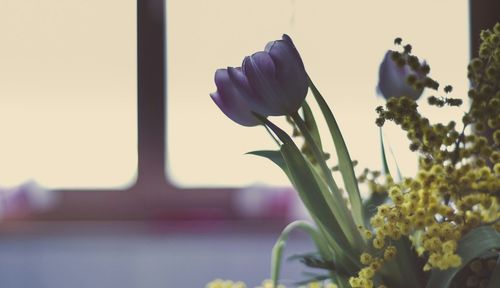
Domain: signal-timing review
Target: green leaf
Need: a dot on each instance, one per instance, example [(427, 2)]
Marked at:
[(345, 162), (345, 258), (330, 191), (311, 124), (311, 194), (384, 158), (398, 171), (370, 206), (274, 156), (340, 211), (309, 190), (276, 256), (403, 270), (376, 199), (474, 244), (277, 252)]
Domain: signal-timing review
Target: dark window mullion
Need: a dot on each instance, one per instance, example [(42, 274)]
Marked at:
[(484, 14), (151, 93)]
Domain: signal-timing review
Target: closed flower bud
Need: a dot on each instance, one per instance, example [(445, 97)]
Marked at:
[(398, 80), (278, 78), (232, 96), (272, 82)]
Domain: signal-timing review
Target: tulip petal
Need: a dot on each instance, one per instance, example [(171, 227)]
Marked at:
[(392, 79), (288, 40), (264, 63), (260, 70), (239, 79), (241, 82), (270, 83), (292, 76), (231, 100)]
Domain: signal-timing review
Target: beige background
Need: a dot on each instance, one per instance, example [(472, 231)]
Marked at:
[(68, 92), (68, 82), (341, 43)]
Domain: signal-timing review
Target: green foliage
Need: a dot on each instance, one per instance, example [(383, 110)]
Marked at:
[(344, 160), (310, 192), (420, 231)]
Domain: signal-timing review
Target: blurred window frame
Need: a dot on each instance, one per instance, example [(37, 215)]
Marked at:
[(153, 196)]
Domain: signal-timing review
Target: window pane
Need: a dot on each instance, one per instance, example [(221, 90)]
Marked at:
[(68, 92), (341, 42)]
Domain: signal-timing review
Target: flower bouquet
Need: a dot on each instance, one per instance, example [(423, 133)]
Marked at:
[(438, 228)]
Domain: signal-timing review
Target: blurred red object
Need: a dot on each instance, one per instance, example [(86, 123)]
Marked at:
[(25, 199), (269, 202)]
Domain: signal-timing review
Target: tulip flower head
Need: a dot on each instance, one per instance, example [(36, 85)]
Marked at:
[(272, 82), (232, 96), (397, 79)]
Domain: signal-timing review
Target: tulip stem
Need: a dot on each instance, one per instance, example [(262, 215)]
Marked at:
[(351, 229), (272, 135), (314, 147)]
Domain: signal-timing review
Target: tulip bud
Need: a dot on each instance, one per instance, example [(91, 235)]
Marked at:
[(232, 96), (278, 77), (398, 80), (272, 82)]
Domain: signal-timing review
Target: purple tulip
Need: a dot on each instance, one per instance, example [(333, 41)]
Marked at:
[(278, 77), (232, 95), (393, 79), (272, 82)]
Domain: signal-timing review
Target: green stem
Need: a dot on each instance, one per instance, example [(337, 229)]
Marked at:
[(319, 155), (272, 136), (278, 248), (384, 158), (350, 229), (345, 162)]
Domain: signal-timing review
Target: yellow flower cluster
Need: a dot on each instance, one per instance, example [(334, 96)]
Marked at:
[(365, 276), (219, 283), (442, 204), (374, 181), (458, 185)]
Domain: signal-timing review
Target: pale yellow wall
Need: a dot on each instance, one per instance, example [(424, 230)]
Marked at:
[(68, 92), (64, 65), (341, 43)]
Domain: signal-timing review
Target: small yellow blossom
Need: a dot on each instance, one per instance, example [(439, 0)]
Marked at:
[(219, 283), (366, 258)]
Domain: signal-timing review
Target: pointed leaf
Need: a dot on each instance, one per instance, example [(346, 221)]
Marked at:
[(272, 155), (384, 158), (310, 193), (311, 124), (403, 270), (398, 171), (330, 191), (277, 252), (340, 211), (371, 204), (345, 162)]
